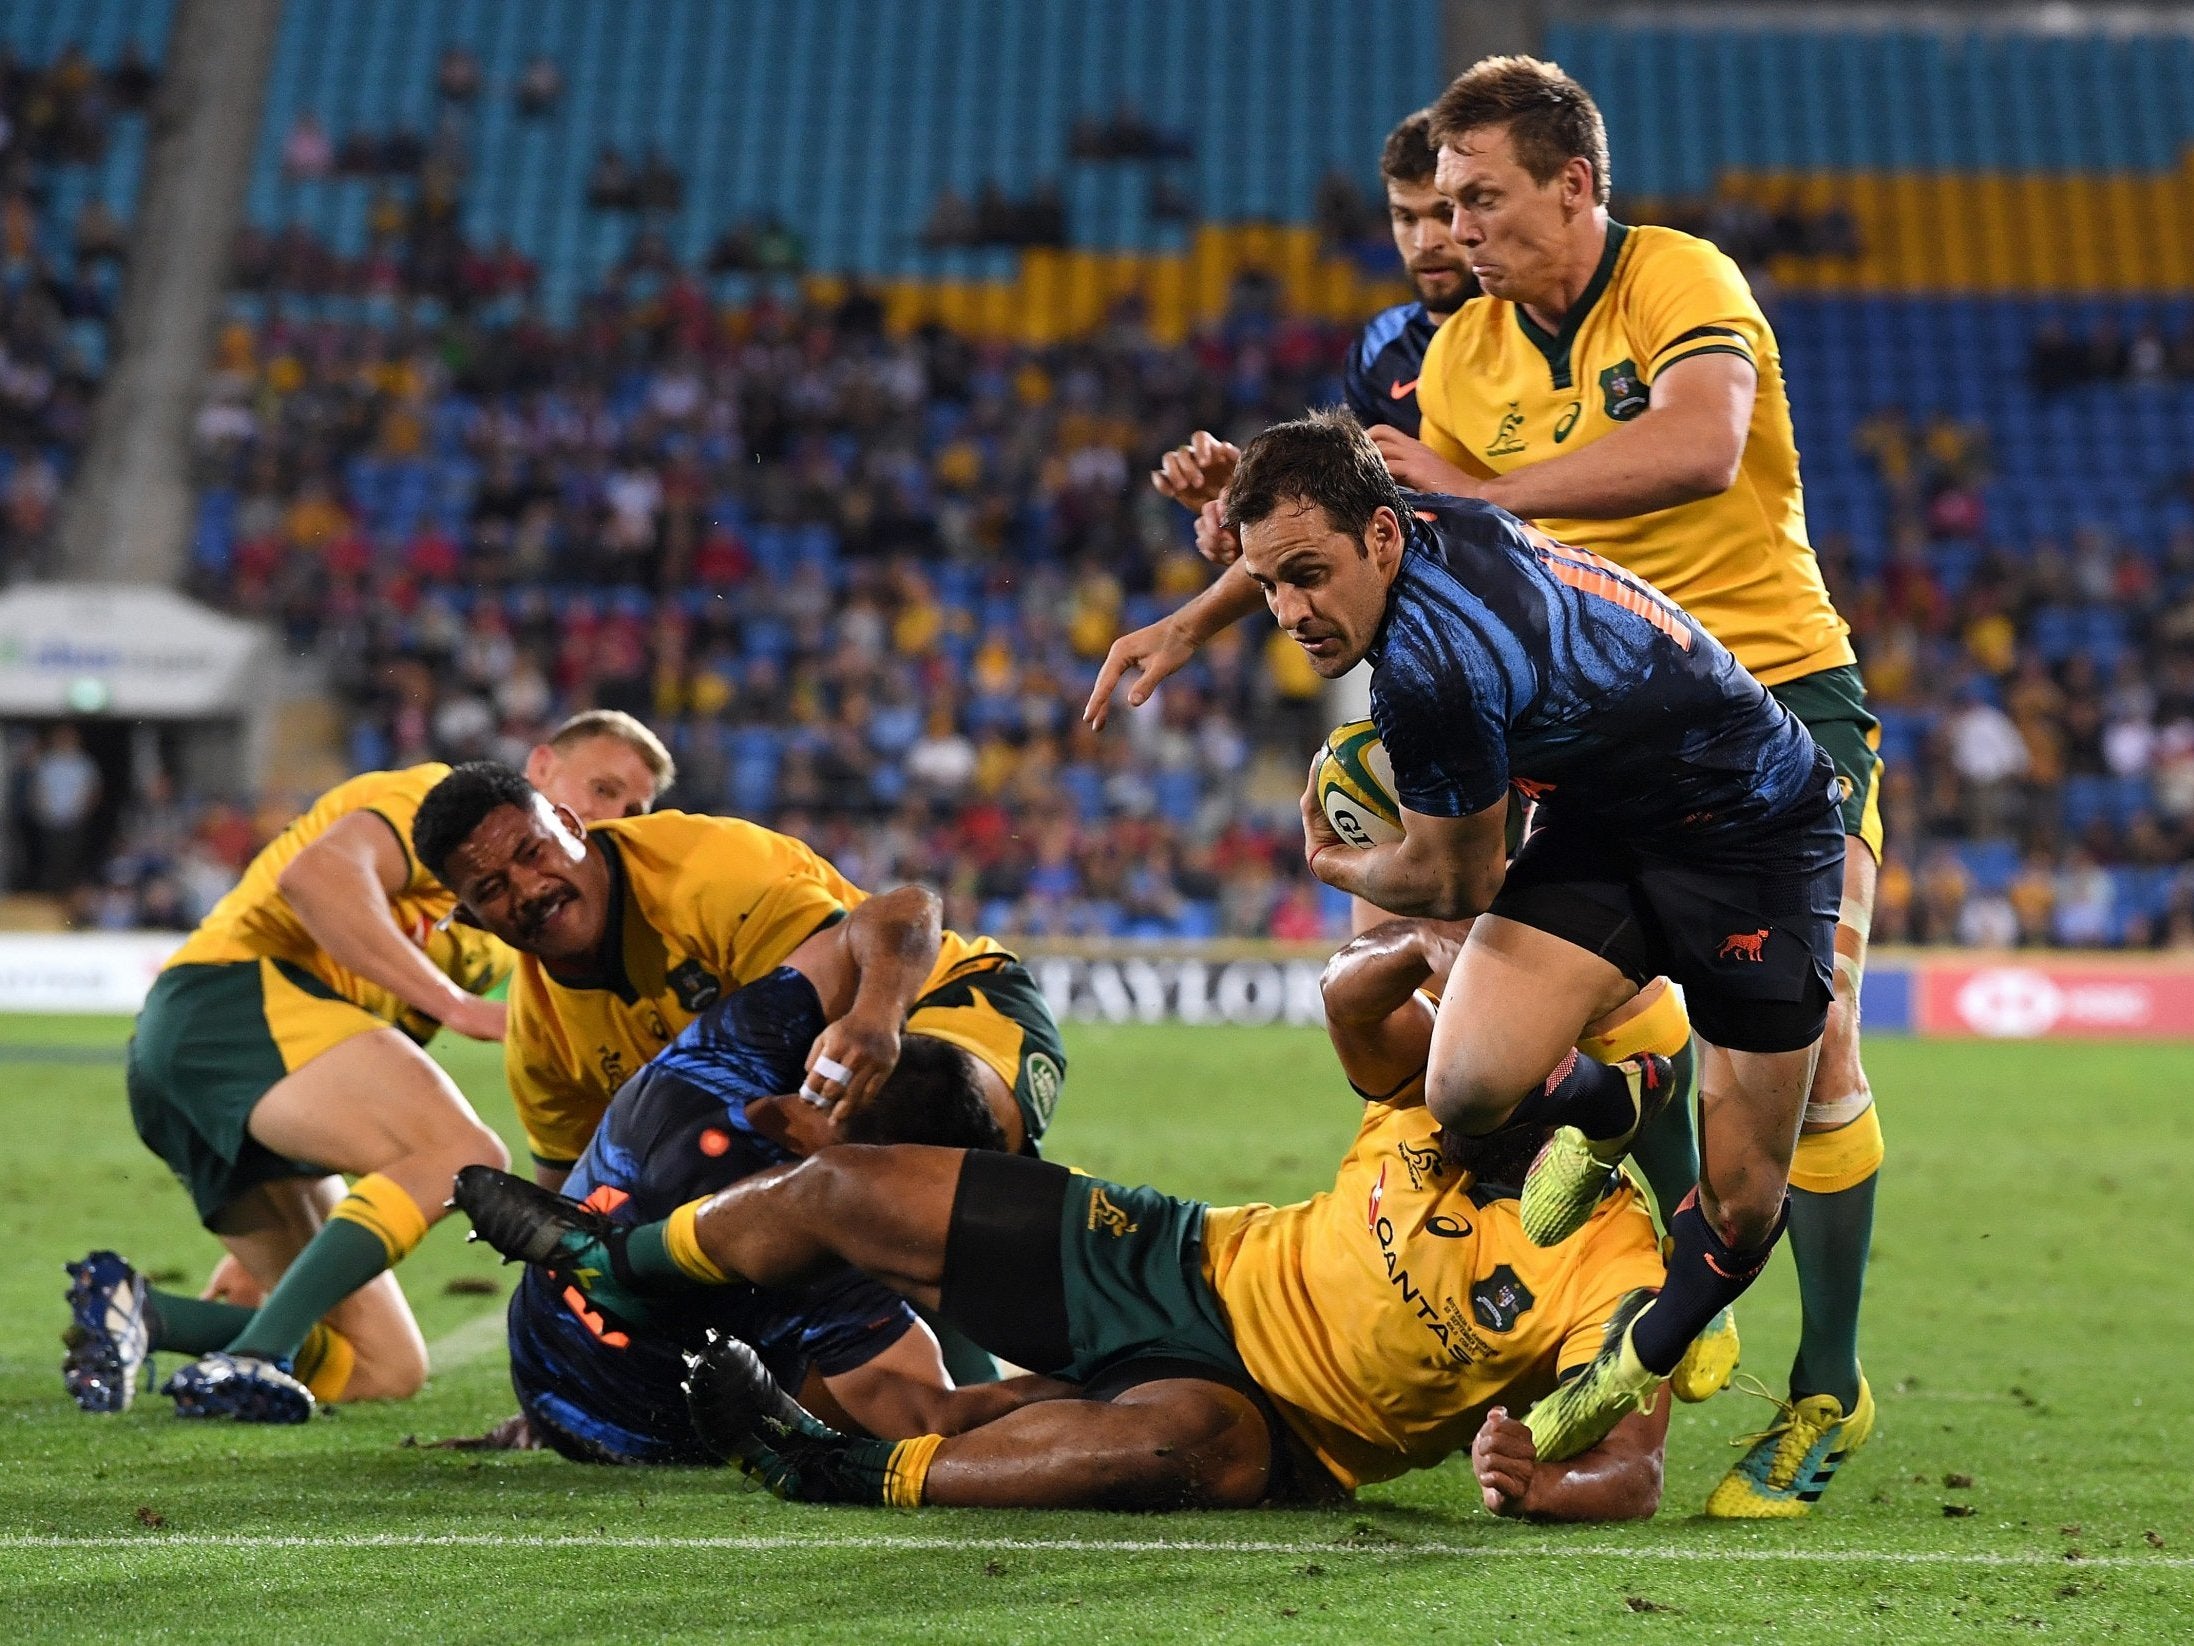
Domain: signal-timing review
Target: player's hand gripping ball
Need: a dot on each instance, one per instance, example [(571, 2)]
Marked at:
[(1355, 786)]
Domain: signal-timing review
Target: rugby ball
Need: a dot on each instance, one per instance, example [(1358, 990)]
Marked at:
[(1355, 785)]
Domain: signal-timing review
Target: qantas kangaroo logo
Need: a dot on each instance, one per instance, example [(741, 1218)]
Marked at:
[(1743, 946)]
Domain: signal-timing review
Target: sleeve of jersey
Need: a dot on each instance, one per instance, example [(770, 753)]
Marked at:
[(1692, 301), (850, 1321), (557, 1111), (397, 805), (1358, 392), (1622, 1259), (759, 895), (1431, 705)]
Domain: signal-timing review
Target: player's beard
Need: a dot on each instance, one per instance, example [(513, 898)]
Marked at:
[(1458, 286)]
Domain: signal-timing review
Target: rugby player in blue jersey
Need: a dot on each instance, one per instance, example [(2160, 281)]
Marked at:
[(1687, 825), (1379, 383), (707, 1111)]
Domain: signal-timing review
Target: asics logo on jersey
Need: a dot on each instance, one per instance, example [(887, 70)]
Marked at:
[(1744, 946)]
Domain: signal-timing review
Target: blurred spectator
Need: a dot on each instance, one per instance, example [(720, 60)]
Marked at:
[(306, 151), (540, 87), (457, 75), (611, 184), (64, 796)]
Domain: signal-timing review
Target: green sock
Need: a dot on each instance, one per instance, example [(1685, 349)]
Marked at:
[(338, 1260), (192, 1325), (1667, 1151), (647, 1256), (1829, 1238)]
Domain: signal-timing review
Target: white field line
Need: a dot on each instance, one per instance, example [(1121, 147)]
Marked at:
[(466, 1343), (763, 1544)]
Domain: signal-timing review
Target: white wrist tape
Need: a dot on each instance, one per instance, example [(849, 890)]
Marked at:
[(826, 1069)]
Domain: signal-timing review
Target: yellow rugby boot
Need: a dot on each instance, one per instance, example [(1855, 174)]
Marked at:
[(1613, 1384), (1788, 1465), (1709, 1363)]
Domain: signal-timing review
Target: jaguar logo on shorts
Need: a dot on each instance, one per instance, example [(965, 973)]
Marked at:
[(1750, 946), (695, 985), (1106, 1218), (1042, 1077), (1500, 1300)]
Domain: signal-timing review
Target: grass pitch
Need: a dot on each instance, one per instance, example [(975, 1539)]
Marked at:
[(2031, 1311)]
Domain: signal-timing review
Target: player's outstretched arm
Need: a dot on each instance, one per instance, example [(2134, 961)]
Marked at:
[(891, 941), (1619, 1479), (1380, 1028), (340, 886), (1158, 649)]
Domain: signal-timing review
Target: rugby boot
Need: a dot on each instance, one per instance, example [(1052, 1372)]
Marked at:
[(108, 1339), (745, 1417), (1573, 1172), (245, 1388), (1709, 1363), (1788, 1465), (1614, 1383), (529, 1224)]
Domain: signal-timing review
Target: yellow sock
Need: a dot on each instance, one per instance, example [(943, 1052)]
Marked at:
[(1662, 1028), (325, 1362), (381, 1206), (682, 1243), (1830, 1162), (908, 1471)]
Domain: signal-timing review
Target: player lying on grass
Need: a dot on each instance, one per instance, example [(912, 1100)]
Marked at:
[(1687, 825), (706, 1112), (282, 1045), (1185, 1355)]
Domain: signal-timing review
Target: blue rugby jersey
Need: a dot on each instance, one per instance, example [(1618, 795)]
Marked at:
[(1379, 383), (676, 1131), (1506, 659)]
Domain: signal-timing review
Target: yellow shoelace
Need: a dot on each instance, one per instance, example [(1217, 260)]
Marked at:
[(1789, 1426)]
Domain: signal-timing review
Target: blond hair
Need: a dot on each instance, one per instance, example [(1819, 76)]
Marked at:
[(589, 723)]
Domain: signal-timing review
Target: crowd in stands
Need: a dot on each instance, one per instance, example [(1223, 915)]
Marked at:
[(2038, 713), (862, 581), (58, 280), (2062, 358)]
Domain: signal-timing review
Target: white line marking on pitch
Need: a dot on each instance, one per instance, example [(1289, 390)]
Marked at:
[(466, 1343), (764, 1544)]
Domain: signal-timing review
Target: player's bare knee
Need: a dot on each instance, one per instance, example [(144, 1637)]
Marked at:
[(387, 1371)]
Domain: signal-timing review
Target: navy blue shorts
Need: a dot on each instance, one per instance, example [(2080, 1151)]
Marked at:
[(1752, 940)]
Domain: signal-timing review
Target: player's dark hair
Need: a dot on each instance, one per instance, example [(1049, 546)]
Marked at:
[(1410, 156), (934, 1096), (1326, 459), (456, 806), (1551, 119)]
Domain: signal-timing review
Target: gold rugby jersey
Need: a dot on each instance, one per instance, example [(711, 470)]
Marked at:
[(1385, 1316), (1498, 393), (699, 906), (255, 922)]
